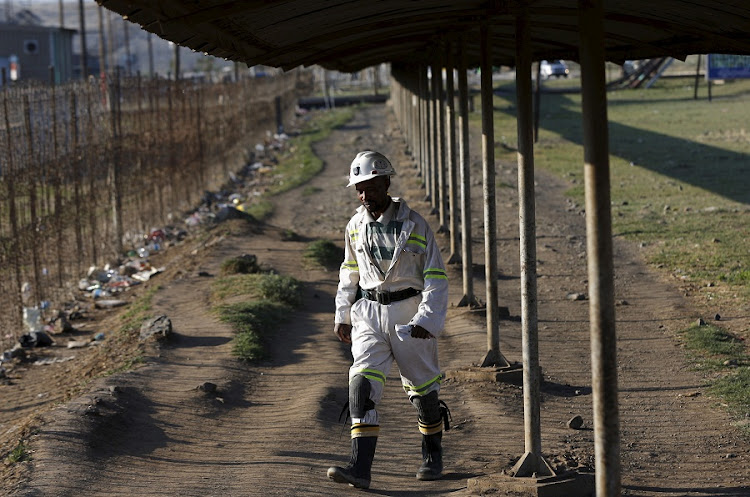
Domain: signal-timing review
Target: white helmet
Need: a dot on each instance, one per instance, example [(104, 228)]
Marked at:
[(367, 165)]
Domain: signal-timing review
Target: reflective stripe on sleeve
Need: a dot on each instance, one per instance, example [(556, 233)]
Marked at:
[(435, 273), (417, 240), (350, 265)]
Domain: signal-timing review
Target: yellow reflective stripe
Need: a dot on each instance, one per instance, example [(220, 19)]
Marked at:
[(372, 374), (364, 430), (417, 240), (421, 389), (354, 234), (430, 429), (435, 274), (350, 265)]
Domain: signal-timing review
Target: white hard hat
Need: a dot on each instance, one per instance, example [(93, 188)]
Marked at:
[(367, 165)]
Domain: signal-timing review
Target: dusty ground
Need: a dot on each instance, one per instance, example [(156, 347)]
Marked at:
[(271, 429)]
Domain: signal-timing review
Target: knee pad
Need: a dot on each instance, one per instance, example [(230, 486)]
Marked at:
[(359, 396), (428, 407)]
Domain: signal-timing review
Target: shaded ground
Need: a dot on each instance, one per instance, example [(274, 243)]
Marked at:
[(272, 429)]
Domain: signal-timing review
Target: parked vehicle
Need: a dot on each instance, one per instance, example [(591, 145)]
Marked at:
[(556, 68)]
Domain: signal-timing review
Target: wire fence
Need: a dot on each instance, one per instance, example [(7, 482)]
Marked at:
[(86, 169)]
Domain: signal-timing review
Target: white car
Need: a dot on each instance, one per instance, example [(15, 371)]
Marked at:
[(556, 68)]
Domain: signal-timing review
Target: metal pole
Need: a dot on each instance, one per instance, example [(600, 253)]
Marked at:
[(84, 55), (424, 119), (537, 100), (599, 248), (128, 54), (697, 78), (450, 96), (151, 57), (435, 122), (102, 63), (493, 357), (442, 190), (463, 144), (426, 132), (532, 461)]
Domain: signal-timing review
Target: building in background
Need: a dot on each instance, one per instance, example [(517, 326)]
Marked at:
[(34, 50)]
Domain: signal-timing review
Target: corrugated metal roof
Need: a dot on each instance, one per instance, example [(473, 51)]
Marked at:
[(350, 35)]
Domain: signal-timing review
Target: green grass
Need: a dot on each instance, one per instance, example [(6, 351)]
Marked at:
[(138, 312), (20, 453), (324, 253), (734, 390), (267, 301), (244, 264), (253, 323), (716, 350), (298, 163), (712, 345), (234, 285), (284, 289)]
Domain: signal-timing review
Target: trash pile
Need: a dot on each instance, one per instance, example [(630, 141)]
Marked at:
[(249, 183), (103, 286)]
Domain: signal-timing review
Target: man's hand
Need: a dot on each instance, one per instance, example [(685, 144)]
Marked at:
[(343, 332), (419, 332)]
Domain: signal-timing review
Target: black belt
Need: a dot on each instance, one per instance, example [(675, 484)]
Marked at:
[(386, 298)]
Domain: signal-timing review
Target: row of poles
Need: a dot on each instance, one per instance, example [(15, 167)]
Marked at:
[(438, 139)]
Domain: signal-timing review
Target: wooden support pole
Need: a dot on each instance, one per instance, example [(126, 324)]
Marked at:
[(532, 461), (451, 162), (468, 298), (599, 249), (427, 133), (493, 357), (442, 186), (435, 136)]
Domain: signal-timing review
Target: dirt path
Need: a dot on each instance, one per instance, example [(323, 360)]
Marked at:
[(272, 429)]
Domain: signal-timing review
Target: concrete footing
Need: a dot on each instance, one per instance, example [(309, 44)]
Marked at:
[(565, 485), (512, 374)]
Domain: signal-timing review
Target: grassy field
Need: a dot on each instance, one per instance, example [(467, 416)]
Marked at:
[(680, 186), (680, 173)]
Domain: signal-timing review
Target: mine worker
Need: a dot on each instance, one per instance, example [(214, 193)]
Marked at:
[(391, 257)]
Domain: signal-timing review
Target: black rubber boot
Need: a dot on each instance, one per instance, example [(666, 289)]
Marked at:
[(357, 472), (432, 457)]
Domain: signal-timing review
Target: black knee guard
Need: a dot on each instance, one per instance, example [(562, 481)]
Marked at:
[(428, 410), (359, 397)]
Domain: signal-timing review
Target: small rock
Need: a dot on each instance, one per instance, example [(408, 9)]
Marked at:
[(622, 302), (575, 296), (575, 422), (732, 363), (208, 387), (159, 327)]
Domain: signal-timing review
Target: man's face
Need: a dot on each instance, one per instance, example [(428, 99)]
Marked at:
[(373, 194)]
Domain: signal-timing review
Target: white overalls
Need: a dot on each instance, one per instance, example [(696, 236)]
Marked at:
[(416, 263)]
